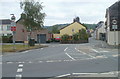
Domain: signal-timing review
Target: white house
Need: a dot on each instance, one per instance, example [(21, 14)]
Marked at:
[(100, 33), (5, 27)]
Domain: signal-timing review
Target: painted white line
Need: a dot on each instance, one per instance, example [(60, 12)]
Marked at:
[(66, 49), (95, 50), (0, 62), (80, 51), (69, 56), (9, 62), (30, 62), (84, 73), (19, 70), (18, 76), (115, 55), (25, 51), (84, 53), (40, 61), (49, 61), (21, 62), (63, 75), (20, 65), (41, 48), (104, 51)]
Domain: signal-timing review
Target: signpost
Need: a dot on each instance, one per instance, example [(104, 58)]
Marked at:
[(13, 29), (114, 26)]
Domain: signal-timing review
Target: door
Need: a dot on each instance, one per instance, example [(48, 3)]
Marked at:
[(41, 38)]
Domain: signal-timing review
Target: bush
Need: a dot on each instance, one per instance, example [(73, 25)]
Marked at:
[(7, 39), (65, 37), (75, 37)]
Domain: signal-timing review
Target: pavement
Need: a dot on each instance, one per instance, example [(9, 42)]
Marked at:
[(62, 60)]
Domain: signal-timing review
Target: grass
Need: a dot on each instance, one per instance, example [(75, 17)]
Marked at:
[(19, 48)]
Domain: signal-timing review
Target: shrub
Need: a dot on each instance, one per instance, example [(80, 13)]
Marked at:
[(7, 39), (75, 37), (65, 37)]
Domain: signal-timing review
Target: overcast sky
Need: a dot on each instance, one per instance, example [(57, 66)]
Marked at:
[(62, 11)]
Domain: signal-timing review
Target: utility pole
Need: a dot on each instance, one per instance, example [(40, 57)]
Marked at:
[(13, 29)]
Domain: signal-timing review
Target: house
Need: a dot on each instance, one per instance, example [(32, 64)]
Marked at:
[(5, 27), (72, 28), (22, 35), (100, 33), (113, 24)]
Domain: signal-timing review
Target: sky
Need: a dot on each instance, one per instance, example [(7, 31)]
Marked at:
[(62, 11)]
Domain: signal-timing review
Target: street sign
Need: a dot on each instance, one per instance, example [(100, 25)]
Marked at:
[(13, 28), (114, 22), (114, 27)]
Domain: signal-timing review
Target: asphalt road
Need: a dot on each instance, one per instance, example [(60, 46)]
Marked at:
[(60, 60)]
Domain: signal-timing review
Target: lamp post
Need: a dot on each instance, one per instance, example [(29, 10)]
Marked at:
[(13, 29)]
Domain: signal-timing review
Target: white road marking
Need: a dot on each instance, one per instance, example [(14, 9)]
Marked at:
[(41, 48), (0, 62), (21, 62), (80, 51), (9, 62), (19, 70), (115, 55), (66, 48), (69, 56), (84, 53), (25, 51), (63, 75), (95, 50), (40, 61), (83, 73), (20, 65), (18, 76), (104, 51)]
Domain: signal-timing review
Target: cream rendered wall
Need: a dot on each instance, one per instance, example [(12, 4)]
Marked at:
[(71, 29), (114, 37)]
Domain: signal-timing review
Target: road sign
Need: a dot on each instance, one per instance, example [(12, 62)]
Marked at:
[(13, 28), (114, 27), (114, 22)]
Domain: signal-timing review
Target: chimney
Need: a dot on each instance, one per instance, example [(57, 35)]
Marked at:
[(77, 19)]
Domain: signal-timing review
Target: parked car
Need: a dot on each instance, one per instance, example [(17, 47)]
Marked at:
[(57, 39)]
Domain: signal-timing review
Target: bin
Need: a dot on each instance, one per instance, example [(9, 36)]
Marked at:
[(32, 42)]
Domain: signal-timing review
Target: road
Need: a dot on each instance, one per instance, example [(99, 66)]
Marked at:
[(59, 60)]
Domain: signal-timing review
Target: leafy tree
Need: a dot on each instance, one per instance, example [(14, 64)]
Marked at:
[(55, 29), (83, 34), (32, 17)]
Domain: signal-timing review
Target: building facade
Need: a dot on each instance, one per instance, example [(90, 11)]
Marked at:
[(113, 24), (100, 33), (73, 28), (5, 27), (21, 35)]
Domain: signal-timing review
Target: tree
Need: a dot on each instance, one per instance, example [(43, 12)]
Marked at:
[(55, 29), (32, 17)]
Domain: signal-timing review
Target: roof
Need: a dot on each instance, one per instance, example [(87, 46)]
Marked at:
[(71, 24), (5, 21)]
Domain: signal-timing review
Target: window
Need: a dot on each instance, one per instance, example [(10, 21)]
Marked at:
[(8, 27), (72, 30)]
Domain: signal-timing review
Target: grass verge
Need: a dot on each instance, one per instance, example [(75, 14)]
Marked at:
[(19, 48)]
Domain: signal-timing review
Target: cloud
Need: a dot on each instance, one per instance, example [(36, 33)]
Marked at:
[(62, 11)]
